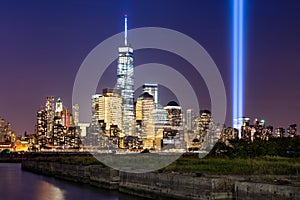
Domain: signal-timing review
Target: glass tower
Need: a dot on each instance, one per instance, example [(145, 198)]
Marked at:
[(125, 83)]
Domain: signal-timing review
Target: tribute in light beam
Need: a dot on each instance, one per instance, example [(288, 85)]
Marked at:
[(238, 64)]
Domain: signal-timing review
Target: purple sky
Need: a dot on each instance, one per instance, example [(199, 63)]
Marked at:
[(42, 45)]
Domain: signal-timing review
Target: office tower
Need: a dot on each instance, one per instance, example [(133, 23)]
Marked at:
[(228, 134), (204, 121), (97, 105), (279, 132), (50, 115), (125, 83), (292, 130), (112, 108), (152, 89), (161, 119), (174, 114), (41, 126), (145, 108), (75, 113), (58, 107), (107, 109), (66, 118), (189, 119)]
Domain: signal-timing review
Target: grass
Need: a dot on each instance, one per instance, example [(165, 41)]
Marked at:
[(266, 165), (239, 166)]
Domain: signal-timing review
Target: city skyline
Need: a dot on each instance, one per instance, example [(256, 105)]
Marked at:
[(51, 65)]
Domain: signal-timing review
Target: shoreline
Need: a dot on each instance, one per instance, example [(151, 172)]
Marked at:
[(165, 185)]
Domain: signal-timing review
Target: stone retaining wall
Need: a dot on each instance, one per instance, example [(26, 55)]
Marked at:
[(164, 185)]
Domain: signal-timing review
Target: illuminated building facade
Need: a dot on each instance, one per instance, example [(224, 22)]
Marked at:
[(97, 105), (292, 130), (63, 134), (41, 126), (49, 108), (174, 114), (58, 107), (75, 111), (204, 121), (66, 118), (189, 120), (112, 108), (107, 109), (125, 83), (279, 132), (145, 108), (152, 89)]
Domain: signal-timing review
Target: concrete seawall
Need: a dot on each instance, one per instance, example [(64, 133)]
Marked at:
[(164, 185)]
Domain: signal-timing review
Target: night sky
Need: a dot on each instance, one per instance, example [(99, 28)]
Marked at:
[(43, 43)]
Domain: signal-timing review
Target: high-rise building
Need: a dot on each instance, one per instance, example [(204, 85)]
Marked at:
[(66, 118), (97, 105), (292, 130), (279, 132), (50, 115), (152, 89), (174, 114), (41, 126), (107, 109), (112, 108), (125, 83), (145, 116), (75, 112), (189, 119), (204, 122), (58, 107)]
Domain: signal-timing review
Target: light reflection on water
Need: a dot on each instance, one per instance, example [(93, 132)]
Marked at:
[(17, 184), (49, 191)]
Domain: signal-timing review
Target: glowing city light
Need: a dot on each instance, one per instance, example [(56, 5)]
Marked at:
[(238, 63)]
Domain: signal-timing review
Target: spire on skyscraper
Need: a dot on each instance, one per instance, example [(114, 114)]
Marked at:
[(125, 29)]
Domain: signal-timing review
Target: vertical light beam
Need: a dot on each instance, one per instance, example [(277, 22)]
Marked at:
[(125, 29), (238, 64)]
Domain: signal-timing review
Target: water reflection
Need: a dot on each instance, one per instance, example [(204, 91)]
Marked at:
[(18, 184), (48, 191)]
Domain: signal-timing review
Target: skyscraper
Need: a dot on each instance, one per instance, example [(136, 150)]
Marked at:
[(50, 115), (125, 83), (152, 89), (145, 114), (75, 114), (174, 114), (107, 109), (41, 126), (204, 122), (66, 118), (58, 107), (189, 119)]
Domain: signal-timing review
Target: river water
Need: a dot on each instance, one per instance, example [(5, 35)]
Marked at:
[(16, 184)]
